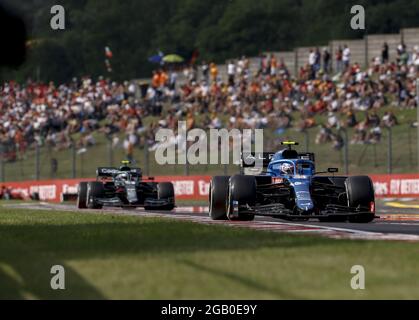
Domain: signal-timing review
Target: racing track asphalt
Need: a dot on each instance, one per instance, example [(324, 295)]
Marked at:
[(391, 224), (387, 221)]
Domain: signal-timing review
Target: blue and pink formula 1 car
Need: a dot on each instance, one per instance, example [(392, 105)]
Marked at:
[(287, 186)]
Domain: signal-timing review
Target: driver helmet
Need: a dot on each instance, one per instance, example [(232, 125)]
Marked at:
[(287, 168), (123, 176)]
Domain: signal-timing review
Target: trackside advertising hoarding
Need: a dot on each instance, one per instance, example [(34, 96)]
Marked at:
[(197, 187), (396, 185), (191, 187)]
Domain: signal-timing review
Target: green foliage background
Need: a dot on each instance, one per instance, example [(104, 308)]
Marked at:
[(219, 29)]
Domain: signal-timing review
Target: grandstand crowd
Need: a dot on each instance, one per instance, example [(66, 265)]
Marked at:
[(68, 114)]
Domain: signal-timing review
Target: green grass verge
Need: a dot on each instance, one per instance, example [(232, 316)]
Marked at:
[(107, 256)]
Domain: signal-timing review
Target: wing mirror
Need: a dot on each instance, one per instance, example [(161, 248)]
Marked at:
[(332, 170)]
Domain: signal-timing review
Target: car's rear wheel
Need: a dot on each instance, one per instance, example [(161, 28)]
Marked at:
[(94, 190), (360, 193), (242, 191), (82, 195), (218, 197)]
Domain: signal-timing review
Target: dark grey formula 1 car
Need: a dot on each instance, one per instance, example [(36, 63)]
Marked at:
[(125, 187)]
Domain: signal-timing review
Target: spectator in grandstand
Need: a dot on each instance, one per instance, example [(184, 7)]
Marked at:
[(415, 58), (205, 71), (318, 58), (389, 119), (346, 57), (337, 141), (173, 79), (332, 120), (273, 65), (312, 59), (351, 119), (384, 53), (213, 72), (372, 119), (324, 135), (264, 66), (326, 60), (339, 54), (374, 135), (231, 72), (360, 134)]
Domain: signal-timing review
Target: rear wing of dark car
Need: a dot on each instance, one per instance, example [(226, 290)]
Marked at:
[(109, 172), (106, 172), (136, 172)]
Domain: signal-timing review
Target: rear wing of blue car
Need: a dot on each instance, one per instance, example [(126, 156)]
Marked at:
[(249, 160), (255, 163), (307, 156)]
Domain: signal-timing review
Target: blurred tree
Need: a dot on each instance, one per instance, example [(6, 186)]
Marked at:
[(218, 29)]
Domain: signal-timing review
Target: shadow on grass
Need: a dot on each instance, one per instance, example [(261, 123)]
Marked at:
[(31, 280), (242, 280), (30, 250)]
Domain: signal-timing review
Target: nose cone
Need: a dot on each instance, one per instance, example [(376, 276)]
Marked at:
[(305, 205)]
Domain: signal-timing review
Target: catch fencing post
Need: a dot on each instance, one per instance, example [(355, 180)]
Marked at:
[(146, 160), (306, 139), (345, 150), (187, 167), (366, 57), (187, 160), (2, 171), (37, 162), (417, 116), (110, 152), (409, 142), (81, 164), (390, 151), (73, 161)]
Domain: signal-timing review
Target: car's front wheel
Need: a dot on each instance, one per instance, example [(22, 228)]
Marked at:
[(218, 197), (165, 191), (82, 195), (360, 193), (94, 190), (242, 192)]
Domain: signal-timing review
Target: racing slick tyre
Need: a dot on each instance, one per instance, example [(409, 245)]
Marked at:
[(165, 190), (243, 191), (218, 198), (360, 192), (82, 195), (94, 190)]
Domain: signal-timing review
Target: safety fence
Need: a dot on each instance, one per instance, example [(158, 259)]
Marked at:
[(197, 187), (389, 150)]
